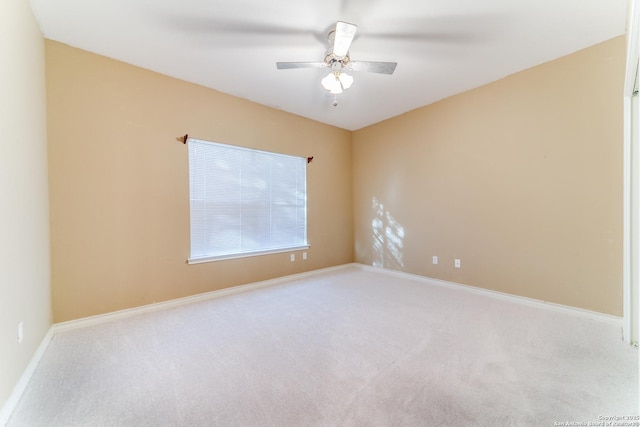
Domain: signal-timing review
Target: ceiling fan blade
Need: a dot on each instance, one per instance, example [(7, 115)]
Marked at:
[(343, 37), (373, 67), (290, 65)]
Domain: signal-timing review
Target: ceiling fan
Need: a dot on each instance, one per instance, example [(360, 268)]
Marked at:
[(339, 61)]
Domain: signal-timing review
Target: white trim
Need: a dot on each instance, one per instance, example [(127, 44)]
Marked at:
[(201, 260), (129, 312), (594, 315), (633, 47), (628, 261), (626, 224), (21, 385), (121, 314)]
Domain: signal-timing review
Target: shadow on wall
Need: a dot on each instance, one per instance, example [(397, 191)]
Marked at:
[(388, 238)]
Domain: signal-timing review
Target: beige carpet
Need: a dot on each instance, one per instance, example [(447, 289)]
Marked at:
[(351, 348)]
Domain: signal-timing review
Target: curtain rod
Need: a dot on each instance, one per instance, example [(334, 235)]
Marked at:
[(184, 139)]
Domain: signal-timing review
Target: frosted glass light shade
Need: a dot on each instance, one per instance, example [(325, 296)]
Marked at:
[(346, 80), (336, 82), (332, 84)]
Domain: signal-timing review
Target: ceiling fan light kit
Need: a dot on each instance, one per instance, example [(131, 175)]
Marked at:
[(337, 59), (336, 82)]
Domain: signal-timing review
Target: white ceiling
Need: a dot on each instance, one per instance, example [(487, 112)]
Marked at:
[(442, 47)]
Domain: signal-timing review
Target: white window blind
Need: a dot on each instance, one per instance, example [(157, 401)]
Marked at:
[(245, 202)]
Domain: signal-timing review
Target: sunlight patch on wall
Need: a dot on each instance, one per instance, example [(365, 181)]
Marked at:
[(388, 238)]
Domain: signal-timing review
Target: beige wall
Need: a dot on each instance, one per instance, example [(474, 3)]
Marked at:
[(120, 191), (24, 215), (521, 179)]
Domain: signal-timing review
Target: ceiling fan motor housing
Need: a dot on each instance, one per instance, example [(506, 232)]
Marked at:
[(335, 63)]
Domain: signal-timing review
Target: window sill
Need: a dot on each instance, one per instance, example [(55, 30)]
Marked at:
[(201, 260)]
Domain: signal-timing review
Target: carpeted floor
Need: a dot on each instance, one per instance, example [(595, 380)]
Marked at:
[(350, 348)]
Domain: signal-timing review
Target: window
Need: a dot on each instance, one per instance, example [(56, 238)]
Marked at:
[(245, 202)]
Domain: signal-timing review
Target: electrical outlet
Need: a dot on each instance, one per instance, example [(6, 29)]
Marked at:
[(457, 263), (435, 259), (304, 255), (293, 257), (20, 332)]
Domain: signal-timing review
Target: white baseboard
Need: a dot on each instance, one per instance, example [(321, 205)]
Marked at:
[(121, 314), (594, 315), (21, 385)]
